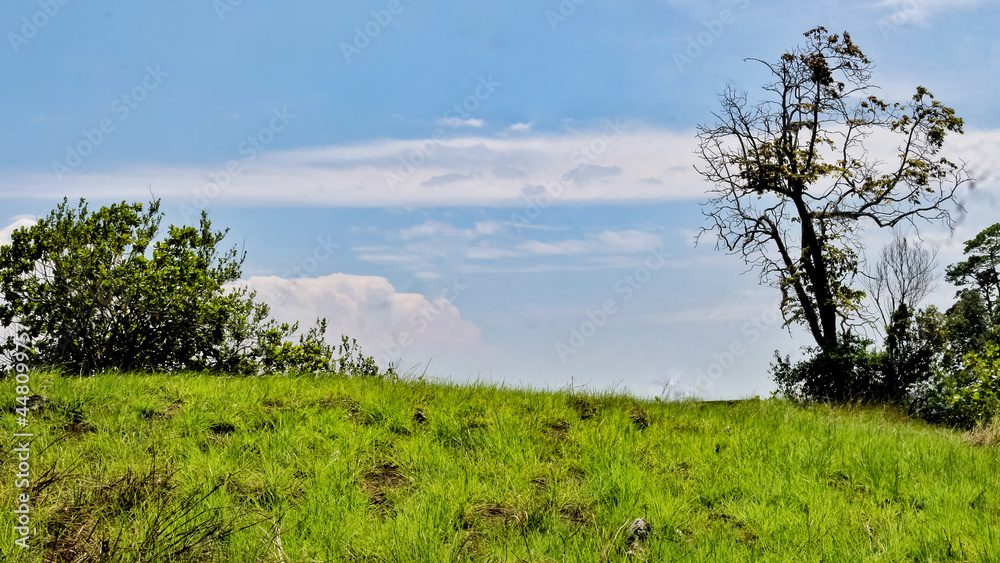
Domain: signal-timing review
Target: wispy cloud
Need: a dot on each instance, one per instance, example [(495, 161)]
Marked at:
[(589, 172), (431, 229), (455, 122), (421, 249), (904, 11), (642, 165), (445, 179), (482, 171), (607, 242)]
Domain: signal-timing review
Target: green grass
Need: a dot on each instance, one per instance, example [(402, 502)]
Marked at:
[(199, 468)]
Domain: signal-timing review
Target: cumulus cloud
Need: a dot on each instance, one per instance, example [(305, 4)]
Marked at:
[(387, 324), (6, 232), (520, 127)]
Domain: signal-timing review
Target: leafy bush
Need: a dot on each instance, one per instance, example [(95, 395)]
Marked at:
[(92, 291), (851, 372), (313, 355), (944, 368), (968, 396), (899, 375), (967, 327), (95, 291)]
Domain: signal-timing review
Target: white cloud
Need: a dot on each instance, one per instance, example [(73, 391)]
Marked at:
[(613, 165), (904, 11), (590, 172), (722, 313), (520, 127), (430, 229), (456, 122), (426, 245), (387, 324), (628, 241), (488, 227), (486, 252), (480, 171), (607, 242), (446, 179), (438, 229), (9, 229)]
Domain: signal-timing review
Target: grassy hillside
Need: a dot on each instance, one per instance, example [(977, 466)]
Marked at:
[(198, 468)]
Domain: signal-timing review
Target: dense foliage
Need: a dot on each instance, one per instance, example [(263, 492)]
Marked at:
[(92, 291), (943, 367)]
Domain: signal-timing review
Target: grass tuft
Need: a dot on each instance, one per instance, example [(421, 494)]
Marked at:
[(985, 435)]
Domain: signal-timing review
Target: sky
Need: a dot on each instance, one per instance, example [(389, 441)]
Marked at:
[(502, 191)]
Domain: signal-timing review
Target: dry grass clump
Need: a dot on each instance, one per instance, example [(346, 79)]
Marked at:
[(984, 435)]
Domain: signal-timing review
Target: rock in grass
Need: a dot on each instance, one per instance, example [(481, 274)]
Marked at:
[(638, 531), (36, 402)]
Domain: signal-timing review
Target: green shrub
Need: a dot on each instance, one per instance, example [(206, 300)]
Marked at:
[(90, 291), (850, 372), (964, 397)]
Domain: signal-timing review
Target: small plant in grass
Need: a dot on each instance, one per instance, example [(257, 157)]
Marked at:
[(985, 434), (351, 361), (142, 517)]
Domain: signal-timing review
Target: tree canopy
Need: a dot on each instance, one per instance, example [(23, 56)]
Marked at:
[(796, 178), (90, 291), (980, 269)]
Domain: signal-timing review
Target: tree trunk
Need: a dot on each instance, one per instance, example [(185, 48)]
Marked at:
[(815, 268)]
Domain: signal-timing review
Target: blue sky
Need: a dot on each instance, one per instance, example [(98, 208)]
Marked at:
[(473, 185)]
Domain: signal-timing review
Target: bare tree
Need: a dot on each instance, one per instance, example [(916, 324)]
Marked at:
[(903, 276), (795, 181)]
